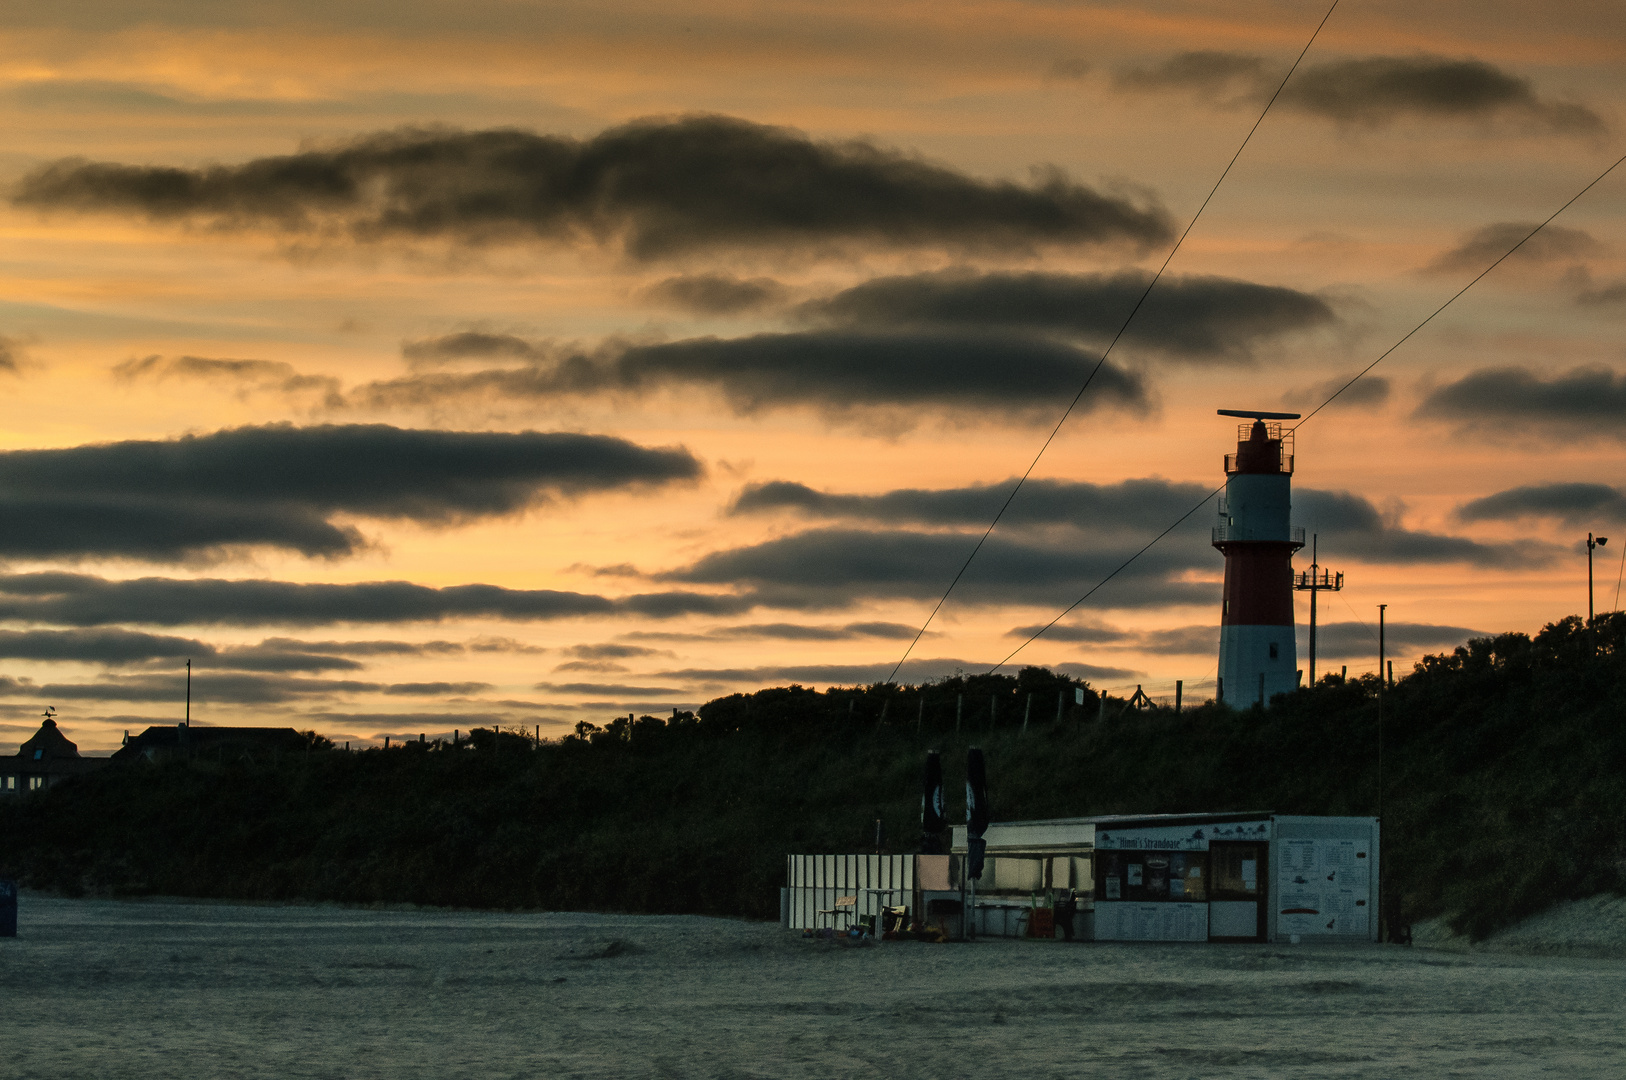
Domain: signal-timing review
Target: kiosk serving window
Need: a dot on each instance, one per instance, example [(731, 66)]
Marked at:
[(1177, 876)]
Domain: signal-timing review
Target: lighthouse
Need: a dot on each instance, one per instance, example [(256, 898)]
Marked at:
[(1257, 657)]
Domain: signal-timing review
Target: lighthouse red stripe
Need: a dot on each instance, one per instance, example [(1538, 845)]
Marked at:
[(1258, 584)]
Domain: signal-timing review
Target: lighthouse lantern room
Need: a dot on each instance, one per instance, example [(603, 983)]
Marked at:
[(1257, 657)]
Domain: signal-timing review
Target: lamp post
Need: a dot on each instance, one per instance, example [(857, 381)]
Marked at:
[(1592, 542)]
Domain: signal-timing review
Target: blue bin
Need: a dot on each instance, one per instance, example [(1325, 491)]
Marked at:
[(8, 908)]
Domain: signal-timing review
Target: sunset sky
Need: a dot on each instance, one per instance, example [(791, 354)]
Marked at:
[(420, 366)]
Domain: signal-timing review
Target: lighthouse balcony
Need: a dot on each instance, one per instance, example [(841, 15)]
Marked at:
[(1228, 534)]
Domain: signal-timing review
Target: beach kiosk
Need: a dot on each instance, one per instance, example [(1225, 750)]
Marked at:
[(1228, 877)]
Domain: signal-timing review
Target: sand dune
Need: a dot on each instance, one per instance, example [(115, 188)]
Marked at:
[(109, 989)]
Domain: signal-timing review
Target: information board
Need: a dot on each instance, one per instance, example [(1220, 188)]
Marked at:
[(1323, 887)]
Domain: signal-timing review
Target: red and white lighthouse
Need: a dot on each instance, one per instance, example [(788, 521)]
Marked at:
[(1257, 657)]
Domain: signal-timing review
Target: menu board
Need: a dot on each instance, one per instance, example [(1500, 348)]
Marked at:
[(1151, 922), (1323, 887)]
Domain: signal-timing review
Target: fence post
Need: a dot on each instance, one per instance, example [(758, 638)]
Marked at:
[(1179, 686), (1027, 712)]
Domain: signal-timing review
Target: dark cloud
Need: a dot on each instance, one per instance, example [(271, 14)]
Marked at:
[(273, 375), (888, 631), (1128, 504), (839, 372), (278, 486), (1207, 73), (112, 646), (715, 294), (271, 658), (787, 632), (366, 648), (12, 356), (1608, 294), (1094, 635), (1585, 401), (1182, 640), (1368, 392), (912, 671), (86, 600), (1179, 641), (619, 689), (473, 345), (1351, 527), (1078, 533), (1574, 503), (1352, 639), (1094, 672), (1071, 68), (1189, 318), (607, 667), (1379, 89), (610, 650), (229, 688), (1479, 249), (827, 567), (1370, 91), (435, 689), (653, 188), (115, 647)]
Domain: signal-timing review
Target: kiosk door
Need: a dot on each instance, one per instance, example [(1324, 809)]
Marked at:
[(1236, 891)]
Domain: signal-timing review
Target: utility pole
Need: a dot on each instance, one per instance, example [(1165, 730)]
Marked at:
[(1381, 608), (1381, 680), (1591, 543), (1314, 581), (189, 693)]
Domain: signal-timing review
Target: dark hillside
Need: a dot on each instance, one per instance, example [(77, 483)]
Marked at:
[(1504, 769)]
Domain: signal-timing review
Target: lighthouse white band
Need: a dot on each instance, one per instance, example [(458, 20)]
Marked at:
[(1245, 655)]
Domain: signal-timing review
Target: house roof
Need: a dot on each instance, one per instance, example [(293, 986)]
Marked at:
[(48, 744), (185, 737)]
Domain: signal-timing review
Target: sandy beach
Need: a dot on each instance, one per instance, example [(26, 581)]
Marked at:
[(126, 989)]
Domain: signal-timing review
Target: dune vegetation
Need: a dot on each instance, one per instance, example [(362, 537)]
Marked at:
[(1503, 774)]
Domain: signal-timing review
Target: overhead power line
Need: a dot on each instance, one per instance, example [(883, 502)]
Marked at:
[(1110, 346), (1381, 357)]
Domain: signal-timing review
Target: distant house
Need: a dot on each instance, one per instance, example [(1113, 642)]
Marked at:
[(185, 741), (46, 759)]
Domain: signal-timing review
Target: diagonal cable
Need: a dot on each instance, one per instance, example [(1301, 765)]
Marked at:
[(1408, 335), (1110, 345)]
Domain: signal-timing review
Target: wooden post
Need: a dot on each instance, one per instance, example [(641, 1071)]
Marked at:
[(920, 714), (1102, 714), (1179, 688), (1061, 700), (993, 710), (1027, 712), (959, 711)]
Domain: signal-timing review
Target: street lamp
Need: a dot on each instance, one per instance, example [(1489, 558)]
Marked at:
[(1591, 543)]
